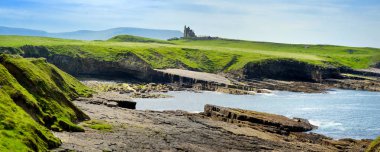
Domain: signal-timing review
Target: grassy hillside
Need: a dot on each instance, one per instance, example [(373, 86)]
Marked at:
[(204, 55), (34, 96)]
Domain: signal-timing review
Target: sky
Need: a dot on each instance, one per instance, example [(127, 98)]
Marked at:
[(338, 22)]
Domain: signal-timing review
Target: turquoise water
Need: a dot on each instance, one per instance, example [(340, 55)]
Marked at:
[(338, 113)]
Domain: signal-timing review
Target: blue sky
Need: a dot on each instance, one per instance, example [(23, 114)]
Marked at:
[(341, 22)]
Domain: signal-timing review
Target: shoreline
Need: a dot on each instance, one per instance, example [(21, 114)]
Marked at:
[(127, 97), (304, 111)]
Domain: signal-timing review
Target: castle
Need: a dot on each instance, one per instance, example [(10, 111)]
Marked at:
[(188, 33)]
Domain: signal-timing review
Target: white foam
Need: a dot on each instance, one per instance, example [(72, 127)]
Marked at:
[(267, 94), (374, 129), (309, 109), (326, 124)]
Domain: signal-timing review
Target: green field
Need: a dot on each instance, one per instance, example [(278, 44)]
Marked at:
[(203, 55)]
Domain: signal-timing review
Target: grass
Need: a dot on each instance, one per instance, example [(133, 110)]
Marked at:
[(219, 55), (374, 146), (35, 96), (131, 38), (98, 125)]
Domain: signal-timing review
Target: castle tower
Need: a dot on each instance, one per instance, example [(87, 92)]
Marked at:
[(185, 32), (188, 33)]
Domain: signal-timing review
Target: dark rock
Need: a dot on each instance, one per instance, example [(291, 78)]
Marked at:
[(125, 104)]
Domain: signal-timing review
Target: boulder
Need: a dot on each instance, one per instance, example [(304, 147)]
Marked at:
[(125, 103)]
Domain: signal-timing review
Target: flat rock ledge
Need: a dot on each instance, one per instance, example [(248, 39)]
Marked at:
[(274, 123)]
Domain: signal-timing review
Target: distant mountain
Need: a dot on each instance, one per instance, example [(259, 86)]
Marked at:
[(94, 35), (21, 31)]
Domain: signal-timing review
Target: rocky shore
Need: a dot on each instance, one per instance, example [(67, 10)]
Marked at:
[(216, 129)]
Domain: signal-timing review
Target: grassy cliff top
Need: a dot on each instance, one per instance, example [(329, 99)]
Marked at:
[(204, 55), (131, 38), (34, 97)]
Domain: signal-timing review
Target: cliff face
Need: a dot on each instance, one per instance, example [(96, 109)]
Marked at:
[(34, 97), (128, 66), (286, 69)]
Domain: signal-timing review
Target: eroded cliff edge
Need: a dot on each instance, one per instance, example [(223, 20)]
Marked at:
[(36, 96)]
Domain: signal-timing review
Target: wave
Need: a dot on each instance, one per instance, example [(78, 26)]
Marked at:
[(327, 124), (374, 129), (309, 109), (267, 94)]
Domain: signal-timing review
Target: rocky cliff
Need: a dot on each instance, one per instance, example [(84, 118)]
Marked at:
[(128, 66), (288, 69)]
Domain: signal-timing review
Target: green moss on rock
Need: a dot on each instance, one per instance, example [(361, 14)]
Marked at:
[(98, 125)]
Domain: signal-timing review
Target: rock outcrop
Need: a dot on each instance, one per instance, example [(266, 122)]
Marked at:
[(369, 85), (288, 69), (110, 99), (273, 123), (129, 104)]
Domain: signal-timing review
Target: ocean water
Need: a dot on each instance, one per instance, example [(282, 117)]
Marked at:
[(337, 113)]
